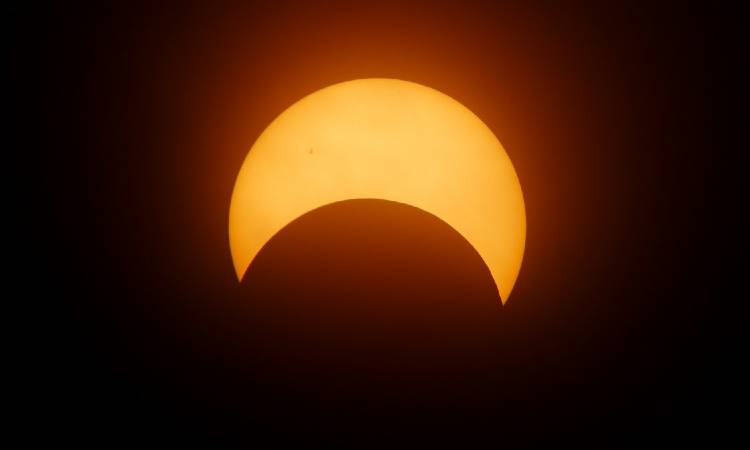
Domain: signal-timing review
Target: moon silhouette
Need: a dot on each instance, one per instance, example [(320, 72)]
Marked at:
[(382, 139)]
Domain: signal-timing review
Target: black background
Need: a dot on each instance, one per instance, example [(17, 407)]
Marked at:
[(366, 320)]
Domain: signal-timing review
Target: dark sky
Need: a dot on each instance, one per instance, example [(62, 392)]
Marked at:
[(366, 320)]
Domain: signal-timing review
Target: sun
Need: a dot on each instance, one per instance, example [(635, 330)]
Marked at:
[(382, 139)]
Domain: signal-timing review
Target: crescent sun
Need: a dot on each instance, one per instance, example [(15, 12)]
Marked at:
[(382, 139)]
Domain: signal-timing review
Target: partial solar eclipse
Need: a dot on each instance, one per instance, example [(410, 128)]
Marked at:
[(382, 139)]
